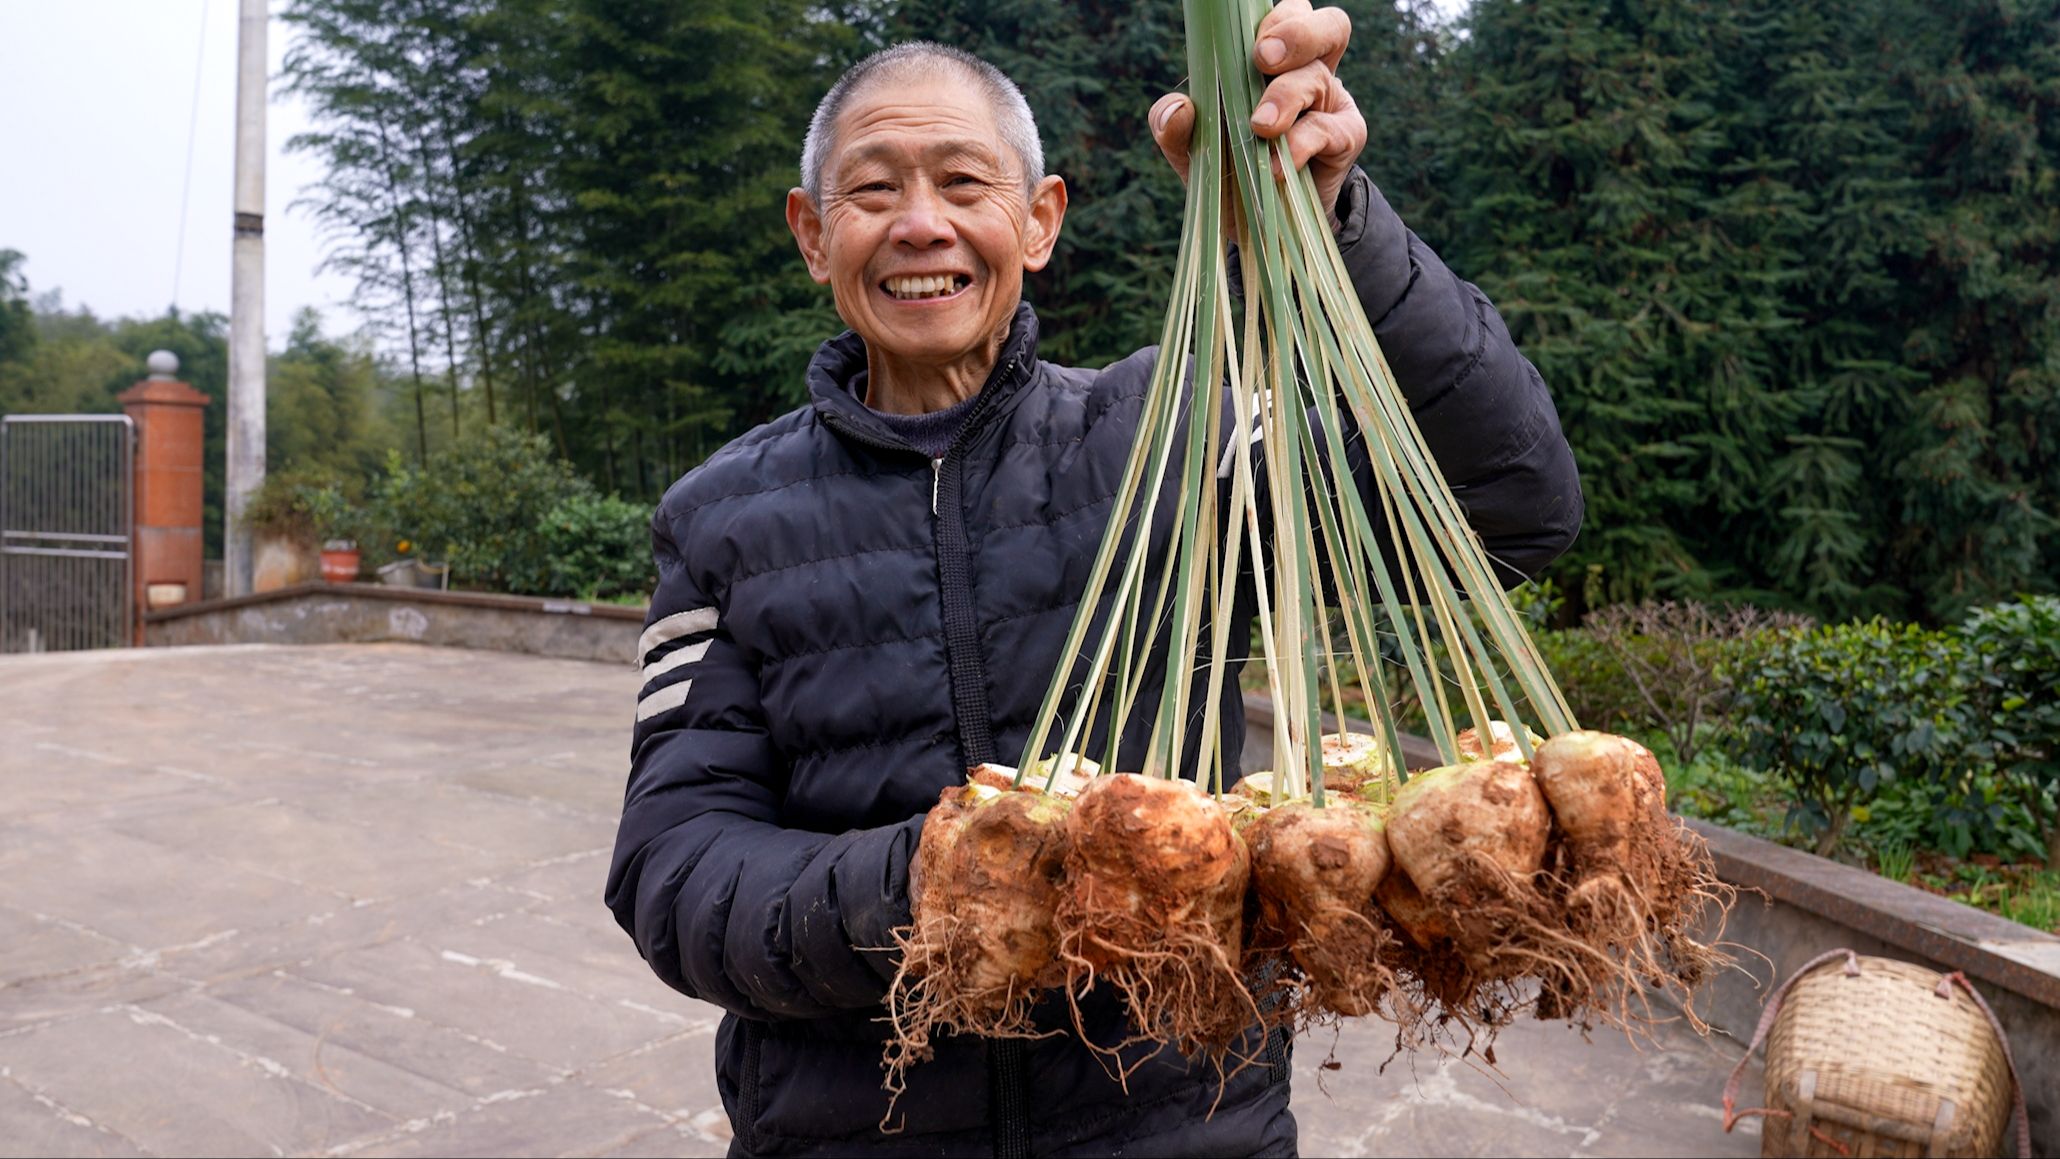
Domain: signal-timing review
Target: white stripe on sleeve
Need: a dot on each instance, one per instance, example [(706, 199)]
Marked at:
[(664, 700), (686, 655), (673, 627)]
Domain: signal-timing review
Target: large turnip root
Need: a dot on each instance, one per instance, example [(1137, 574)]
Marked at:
[(1314, 871), (1153, 904), (982, 947), (1636, 873), (1472, 838)]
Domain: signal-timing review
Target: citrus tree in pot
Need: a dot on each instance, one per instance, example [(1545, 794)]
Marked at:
[(339, 523)]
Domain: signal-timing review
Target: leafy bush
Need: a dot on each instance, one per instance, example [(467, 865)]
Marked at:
[(597, 547), (1716, 788), (1838, 712), (2015, 652), (1973, 812), (508, 515)]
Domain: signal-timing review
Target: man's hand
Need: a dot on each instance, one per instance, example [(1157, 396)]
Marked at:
[(1299, 47)]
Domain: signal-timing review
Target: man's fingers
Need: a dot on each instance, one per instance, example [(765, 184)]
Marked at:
[(1293, 35), (1333, 138), (1288, 96), (1173, 125)]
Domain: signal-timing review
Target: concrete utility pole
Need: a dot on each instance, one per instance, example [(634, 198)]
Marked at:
[(246, 301)]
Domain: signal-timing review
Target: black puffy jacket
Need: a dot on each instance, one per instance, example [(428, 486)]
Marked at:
[(842, 625)]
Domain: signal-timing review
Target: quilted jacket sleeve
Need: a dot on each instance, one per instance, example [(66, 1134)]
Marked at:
[(726, 904), (1482, 407)]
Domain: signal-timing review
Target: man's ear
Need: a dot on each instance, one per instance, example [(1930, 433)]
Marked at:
[(1047, 214), (806, 223)]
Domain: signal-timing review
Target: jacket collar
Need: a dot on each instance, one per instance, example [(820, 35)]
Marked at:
[(841, 360)]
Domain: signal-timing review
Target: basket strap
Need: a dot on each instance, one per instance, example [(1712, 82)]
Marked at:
[(2019, 1117), (1759, 1034)]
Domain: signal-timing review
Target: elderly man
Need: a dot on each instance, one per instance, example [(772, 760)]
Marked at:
[(859, 599)]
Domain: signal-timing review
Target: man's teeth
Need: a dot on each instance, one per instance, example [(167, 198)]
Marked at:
[(935, 286)]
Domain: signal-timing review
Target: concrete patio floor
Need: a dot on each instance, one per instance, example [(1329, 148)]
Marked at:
[(345, 900)]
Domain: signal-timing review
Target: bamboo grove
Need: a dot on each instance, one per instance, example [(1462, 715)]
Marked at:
[(1790, 269)]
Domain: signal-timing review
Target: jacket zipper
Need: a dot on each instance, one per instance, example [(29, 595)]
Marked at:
[(968, 669), (961, 626), (1007, 1067)]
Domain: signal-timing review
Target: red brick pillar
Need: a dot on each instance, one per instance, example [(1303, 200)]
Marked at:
[(169, 443)]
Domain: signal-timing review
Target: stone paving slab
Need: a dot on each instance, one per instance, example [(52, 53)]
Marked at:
[(345, 900)]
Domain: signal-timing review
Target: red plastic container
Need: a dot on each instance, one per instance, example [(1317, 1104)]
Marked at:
[(339, 562)]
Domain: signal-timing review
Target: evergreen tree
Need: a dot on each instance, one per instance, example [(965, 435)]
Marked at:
[(680, 165), (1818, 113), (1591, 202), (1981, 456)]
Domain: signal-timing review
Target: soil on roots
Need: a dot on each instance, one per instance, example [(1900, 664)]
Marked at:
[(1314, 872), (1440, 1001), (1153, 905), (1638, 878), (982, 947), (1472, 838)]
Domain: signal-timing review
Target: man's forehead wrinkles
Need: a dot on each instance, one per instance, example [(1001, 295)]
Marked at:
[(928, 151)]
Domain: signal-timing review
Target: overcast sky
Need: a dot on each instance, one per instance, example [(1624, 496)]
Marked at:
[(95, 101)]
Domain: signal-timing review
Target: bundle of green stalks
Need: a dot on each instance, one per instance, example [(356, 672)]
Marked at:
[(1521, 874)]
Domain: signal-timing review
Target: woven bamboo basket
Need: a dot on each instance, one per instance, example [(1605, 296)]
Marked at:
[(1875, 1057)]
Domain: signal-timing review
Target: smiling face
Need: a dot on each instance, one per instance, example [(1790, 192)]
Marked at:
[(924, 233)]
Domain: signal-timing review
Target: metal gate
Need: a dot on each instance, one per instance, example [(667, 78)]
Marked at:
[(67, 576)]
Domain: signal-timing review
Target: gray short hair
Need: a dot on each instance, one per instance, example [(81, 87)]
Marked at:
[(921, 57)]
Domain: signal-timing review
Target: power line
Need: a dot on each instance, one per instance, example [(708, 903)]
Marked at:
[(192, 130)]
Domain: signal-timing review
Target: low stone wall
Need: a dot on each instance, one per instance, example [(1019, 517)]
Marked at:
[(321, 613), (1793, 906)]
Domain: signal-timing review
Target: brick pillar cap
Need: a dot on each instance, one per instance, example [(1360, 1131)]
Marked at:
[(164, 392)]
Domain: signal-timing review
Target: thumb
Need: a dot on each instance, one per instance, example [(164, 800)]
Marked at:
[(1173, 123)]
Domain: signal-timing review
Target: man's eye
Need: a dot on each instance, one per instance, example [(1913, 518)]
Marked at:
[(962, 179)]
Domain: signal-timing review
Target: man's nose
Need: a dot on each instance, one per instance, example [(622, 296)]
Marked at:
[(922, 222)]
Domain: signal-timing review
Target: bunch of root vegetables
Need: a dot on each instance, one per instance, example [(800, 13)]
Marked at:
[(1525, 873), (1452, 901)]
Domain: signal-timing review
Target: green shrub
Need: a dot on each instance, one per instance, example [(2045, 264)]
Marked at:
[(1838, 712), (2015, 652), (1716, 788), (508, 515), (598, 547), (1974, 810)]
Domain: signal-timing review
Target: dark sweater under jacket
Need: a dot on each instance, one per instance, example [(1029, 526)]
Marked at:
[(843, 624)]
